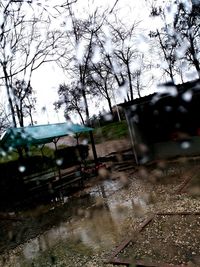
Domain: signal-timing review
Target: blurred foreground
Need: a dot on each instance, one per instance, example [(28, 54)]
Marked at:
[(83, 229)]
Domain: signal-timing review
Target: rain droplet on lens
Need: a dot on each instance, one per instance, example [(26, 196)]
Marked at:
[(108, 117), (168, 108), (103, 173), (185, 145), (84, 142), (3, 153), (187, 96), (182, 109), (22, 168), (143, 172), (143, 148), (124, 179), (136, 118), (144, 160), (59, 162), (156, 112)]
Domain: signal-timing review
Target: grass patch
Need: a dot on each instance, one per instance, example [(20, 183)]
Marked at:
[(111, 131), (33, 151), (10, 156), (47, 151)]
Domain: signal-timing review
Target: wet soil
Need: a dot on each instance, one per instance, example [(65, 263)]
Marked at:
[(84, 229)]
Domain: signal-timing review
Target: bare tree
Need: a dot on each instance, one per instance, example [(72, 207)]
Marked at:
[(26, 42), (4, 118), (82, 39), (11, 24), (70, 97), (101, 83), (24, 101), (123, 54), (125, 50), (109, 59), (187, 26), (179, 38)]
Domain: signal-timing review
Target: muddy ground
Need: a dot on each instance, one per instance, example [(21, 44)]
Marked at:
[(85, 228)]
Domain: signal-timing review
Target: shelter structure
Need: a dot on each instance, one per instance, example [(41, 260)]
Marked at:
[(36, 178), (39, 134), (165, 124)]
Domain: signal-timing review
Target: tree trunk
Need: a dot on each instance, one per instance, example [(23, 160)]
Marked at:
[(193, 53), (31, 117), (170, 72), (79, 113), (110, 105), (9, 96), (108, 98), (130, 81), (89, 124), (138, 85)]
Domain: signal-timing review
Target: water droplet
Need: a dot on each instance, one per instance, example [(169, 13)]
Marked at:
[(168, 89), (156, 112), (168, 108), (103, 173), (136, 118), (187, 96), (22, 168), (3, 153), (59, 162), (80, 51), (144, 160), (182, 109), (123, 91), (143, 148), (185, 145), (133, 108), (97, 55), (84, 142), (108, 117)]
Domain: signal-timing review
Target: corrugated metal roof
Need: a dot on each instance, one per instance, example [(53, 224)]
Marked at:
[(181, 88), (39, 134)]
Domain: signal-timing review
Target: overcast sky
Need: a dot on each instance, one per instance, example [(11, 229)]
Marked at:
[(47, 78)]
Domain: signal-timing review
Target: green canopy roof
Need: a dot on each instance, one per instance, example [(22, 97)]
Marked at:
[(39, 134)]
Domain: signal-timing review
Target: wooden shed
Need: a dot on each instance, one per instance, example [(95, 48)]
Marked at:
[(165, 124)]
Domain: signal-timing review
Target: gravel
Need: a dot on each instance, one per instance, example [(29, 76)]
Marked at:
[(171, 239), (123, 202)]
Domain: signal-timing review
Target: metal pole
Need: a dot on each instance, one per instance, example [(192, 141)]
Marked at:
[(89, 124), (118, 114), (55, 143)]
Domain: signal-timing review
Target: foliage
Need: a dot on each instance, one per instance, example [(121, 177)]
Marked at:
[(111, 131), (33, 151)]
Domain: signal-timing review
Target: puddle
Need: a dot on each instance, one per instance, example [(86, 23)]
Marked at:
[(93, 222), (107, 187)]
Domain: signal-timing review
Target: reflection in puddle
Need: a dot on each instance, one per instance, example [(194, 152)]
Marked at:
[(97, 224), (108, 186)]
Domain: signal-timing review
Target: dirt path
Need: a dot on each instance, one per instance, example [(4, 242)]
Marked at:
[(111, 146)]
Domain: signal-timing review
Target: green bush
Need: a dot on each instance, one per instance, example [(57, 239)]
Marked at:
[(32, 151)]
